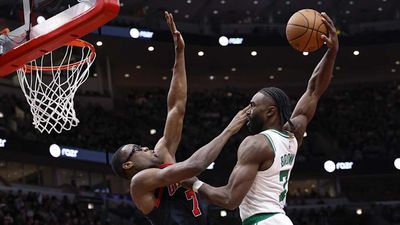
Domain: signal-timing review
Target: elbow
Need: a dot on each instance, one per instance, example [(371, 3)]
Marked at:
[(231, 205), (181, 108)]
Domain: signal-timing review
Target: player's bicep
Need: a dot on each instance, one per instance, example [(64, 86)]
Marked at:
[(306, 106), (240, 182), (303, 113), (251, 154)]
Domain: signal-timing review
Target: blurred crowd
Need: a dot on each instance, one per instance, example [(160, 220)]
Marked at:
[(355, 123), (33, 208), (37, 209)]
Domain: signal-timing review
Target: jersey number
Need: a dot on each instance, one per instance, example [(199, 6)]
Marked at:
[(190, 195), (284, 174)]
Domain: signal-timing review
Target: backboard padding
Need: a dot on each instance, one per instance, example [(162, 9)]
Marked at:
[(71, 24)]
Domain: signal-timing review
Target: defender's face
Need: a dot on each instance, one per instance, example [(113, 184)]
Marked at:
[(142, 157)]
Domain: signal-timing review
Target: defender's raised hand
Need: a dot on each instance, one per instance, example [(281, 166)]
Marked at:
[(238, 121), (332, 41), (178, 39)]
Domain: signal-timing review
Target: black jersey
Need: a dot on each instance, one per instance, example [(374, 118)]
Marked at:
[(176, 205)]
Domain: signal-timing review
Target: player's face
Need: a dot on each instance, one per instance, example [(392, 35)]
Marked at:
[(143, 158), (255, 115)]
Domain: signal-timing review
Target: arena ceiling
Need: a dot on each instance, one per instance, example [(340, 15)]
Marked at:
[(368, 26)]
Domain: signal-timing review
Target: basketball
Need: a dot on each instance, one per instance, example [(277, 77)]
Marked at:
[(304, 30)]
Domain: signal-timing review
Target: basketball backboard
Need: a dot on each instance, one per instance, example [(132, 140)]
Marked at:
[(40, 26)]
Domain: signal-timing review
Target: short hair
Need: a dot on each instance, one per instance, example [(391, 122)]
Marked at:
[(116, 163), (282, 102)]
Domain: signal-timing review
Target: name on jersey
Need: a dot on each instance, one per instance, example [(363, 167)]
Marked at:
[(172, 188), (287, 159)]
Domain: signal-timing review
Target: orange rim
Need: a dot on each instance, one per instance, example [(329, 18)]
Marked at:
[(75, 43)]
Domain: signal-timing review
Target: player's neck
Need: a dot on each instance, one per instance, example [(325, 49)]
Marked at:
[(274, 125)]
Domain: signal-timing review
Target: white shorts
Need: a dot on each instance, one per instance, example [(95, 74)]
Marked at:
[(277, 219)]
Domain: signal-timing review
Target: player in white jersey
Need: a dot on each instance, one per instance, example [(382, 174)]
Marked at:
[(259, 181)]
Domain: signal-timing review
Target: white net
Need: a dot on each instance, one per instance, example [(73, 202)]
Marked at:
[(50, 92)]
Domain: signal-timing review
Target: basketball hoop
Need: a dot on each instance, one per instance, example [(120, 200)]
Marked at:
[(50, 86)]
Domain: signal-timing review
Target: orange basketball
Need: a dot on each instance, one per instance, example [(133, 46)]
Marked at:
[(304, 30)]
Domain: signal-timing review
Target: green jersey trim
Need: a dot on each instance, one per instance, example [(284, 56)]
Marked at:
[(254, 219), (285, 135), (270, 141)]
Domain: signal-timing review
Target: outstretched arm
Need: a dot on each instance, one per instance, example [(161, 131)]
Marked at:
[(318, 83), (177, 96), (252, 153), (148, 180)]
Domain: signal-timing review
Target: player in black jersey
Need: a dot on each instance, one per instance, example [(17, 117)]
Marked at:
[(154, 175)]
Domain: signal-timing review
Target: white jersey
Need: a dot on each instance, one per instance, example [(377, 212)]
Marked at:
[(268, 192)]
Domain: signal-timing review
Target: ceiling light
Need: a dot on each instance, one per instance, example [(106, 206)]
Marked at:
[(271, 77), (1, 115), (222, 1), (200, 53), (226, 77), (287, 2), (351, 2), (305, 53), (176, 11), (397, 163), (150, 48), (380, 9), (359, 212), (138, 67), (153, 131), (347, 11), (337, 67), (255, 2), (279, 68), (187, 16), (397, 62), (393, 70), (164, 77), (99, 43), (233, 69), (223, 41), (215, 12), (356, 52), (211, 77), (95, 75), (253, 53), (127, 75), (189, 1), (319, 3)]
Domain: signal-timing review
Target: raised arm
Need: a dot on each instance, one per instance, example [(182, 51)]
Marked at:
[(177, 96), (318, 83)]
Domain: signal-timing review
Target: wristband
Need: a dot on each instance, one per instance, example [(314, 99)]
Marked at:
[(196, 185)]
